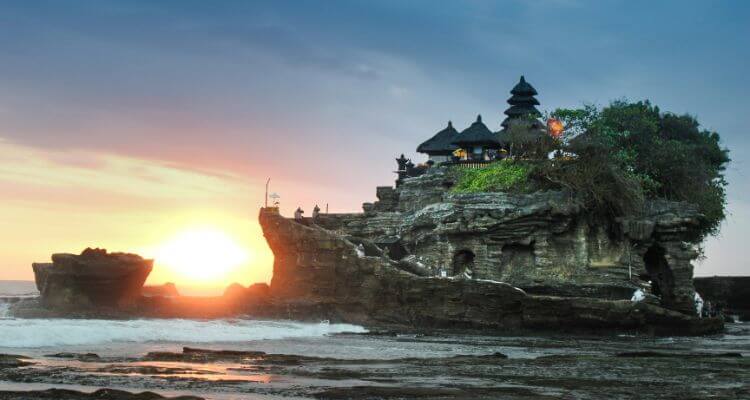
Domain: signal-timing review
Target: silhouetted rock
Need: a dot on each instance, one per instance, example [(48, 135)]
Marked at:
[(13, 361), (235, 291), (86, 357), (255, 292), (101, 394), (92, 279), (168, 289)]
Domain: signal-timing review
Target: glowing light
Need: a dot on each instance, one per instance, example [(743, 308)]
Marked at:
[(201, 255), (555, 127)]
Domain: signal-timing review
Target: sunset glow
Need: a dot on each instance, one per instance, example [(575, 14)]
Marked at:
[(201, 255)]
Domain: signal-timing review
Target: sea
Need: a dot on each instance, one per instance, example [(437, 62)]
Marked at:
[(337, 358)]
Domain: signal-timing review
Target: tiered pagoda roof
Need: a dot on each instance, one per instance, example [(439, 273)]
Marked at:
[(522, 103), (477, 135), (441, 143)]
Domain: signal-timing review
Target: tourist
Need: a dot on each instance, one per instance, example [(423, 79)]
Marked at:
[(698, 304), (316, 212), (638, 296)]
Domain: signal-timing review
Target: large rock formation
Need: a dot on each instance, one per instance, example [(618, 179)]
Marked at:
[(424, 256), (544, 242), (92, 279)]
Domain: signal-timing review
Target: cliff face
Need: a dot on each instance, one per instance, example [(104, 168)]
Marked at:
[(544, 243), (425, 257), (319, 273)]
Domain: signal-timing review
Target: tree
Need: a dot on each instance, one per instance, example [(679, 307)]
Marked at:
[(668, 154)]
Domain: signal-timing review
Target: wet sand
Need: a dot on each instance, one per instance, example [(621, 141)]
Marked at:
[(392, 366)]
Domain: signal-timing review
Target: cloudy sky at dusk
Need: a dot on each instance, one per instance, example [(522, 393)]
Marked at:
[(123, 123)]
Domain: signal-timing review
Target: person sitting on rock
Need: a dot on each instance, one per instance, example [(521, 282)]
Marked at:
[(638, 296), (298, 214)]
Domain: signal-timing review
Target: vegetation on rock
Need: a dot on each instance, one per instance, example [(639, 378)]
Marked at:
[(615, 157), (503, 176), (667, 155)]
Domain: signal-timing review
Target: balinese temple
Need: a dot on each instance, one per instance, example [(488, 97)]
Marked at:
[(440, 148), (522, 104), (478, 142), (524, 117)]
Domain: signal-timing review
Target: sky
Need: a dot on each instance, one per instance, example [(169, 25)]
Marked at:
[(124, 124)]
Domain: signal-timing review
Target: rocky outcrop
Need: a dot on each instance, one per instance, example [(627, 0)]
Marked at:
[(168, 289), (319, 272), (544, 243), (729, 295), (101, 394), (92, 279)]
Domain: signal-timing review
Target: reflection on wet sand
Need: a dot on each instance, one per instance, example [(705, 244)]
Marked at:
[(425, 366)]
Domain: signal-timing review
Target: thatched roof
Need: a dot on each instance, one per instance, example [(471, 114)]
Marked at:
[(522, 103), (523, 88), (441, 143), (477, 135)]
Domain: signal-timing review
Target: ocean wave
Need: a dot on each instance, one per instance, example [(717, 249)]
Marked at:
[(35, 333)]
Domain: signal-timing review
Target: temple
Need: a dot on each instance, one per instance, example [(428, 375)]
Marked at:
[(478, 143), (520, 131), (522, 105), (440, 148)]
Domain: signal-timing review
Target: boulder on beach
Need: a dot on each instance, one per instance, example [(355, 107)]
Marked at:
[(92, 279), (168, 289), (255, 292)]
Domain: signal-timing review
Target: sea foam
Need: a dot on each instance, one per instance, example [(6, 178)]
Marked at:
[(35, 333)]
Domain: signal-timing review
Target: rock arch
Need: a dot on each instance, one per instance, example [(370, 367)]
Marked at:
[(659, 273)]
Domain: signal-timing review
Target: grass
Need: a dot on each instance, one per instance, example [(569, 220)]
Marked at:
[(501, 176)]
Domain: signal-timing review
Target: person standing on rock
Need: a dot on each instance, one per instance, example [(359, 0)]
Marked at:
[(698, 305), (316, 212)]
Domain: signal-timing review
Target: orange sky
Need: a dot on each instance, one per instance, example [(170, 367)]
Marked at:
[(65, 201), (126, 124)]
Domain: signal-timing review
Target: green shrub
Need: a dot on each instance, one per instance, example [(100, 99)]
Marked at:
[(501, 176), (669, 155), (605, 189)]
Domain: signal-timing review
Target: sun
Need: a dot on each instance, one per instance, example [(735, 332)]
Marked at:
[(201, 255)]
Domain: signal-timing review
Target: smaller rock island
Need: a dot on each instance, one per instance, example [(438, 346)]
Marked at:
[(92, 279)]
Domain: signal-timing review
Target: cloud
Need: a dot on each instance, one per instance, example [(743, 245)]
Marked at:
[(320, 95)]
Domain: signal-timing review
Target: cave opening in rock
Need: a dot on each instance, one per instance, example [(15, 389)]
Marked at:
[(659, 273), (463, 261)]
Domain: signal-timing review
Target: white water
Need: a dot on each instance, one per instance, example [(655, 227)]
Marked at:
[(32, 333), (4, 309), (38, 333)]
